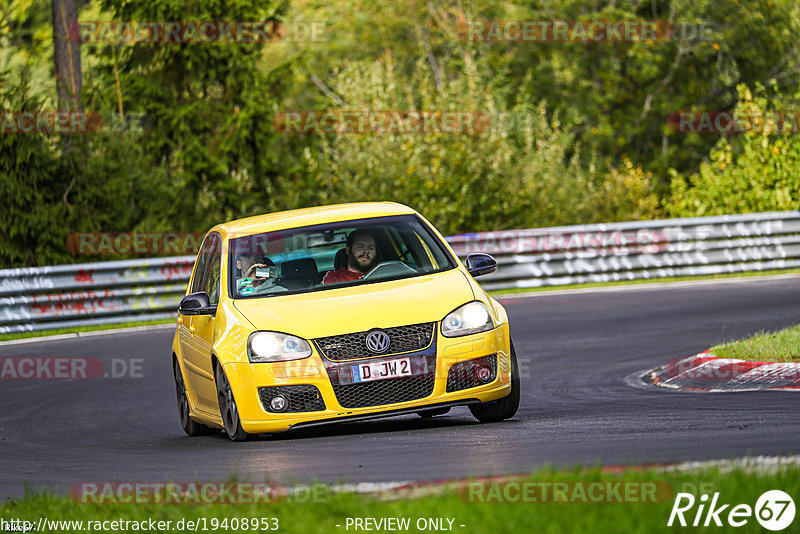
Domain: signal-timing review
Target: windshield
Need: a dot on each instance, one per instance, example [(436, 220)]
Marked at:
[(334, 255)]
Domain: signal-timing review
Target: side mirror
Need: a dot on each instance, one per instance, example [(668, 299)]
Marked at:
[(196, 304), (479, 264)]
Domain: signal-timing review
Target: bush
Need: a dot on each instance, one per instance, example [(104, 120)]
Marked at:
[(52, 188), (751, 172), (523, 171)]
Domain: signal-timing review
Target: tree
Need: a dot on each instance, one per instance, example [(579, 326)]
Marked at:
[(209, 108), (748, 172), (69, 78), (624, 91), (517, 168)]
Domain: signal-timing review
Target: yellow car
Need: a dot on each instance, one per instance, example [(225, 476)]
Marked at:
[(337, 313)]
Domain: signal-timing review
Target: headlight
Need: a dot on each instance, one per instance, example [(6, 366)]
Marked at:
[(470, 318), (276, 347)]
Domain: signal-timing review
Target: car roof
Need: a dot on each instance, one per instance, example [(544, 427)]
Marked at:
[(283, 220)]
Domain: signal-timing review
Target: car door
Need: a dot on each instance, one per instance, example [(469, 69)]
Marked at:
[(186, 323), (197, 352)]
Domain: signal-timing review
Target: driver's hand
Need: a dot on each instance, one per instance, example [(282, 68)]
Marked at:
[(251, 272)]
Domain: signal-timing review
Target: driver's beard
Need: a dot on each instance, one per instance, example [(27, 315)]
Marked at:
[(353, 263)]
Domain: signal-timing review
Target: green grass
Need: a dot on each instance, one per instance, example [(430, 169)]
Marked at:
[(780, 346), (746, 274), (77, 329), (327, 510)]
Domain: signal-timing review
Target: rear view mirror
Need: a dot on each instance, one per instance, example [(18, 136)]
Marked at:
[(196, 304), (326, 239), (479, 264)]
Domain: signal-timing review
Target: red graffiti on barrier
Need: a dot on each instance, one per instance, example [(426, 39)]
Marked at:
[(85, 276), (181, 270), (73, 303)]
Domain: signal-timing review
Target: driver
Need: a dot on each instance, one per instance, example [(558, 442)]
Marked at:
[(361, 258)]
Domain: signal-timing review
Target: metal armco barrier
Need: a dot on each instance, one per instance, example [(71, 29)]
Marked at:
[(65, 296), (637, 250)]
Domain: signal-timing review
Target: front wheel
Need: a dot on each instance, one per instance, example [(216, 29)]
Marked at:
[(504, 408), (228, 409)]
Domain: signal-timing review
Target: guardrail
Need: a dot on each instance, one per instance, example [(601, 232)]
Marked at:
[(637, 250), (64, 296)]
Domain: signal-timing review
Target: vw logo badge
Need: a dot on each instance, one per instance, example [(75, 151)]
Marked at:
[(378, 341)]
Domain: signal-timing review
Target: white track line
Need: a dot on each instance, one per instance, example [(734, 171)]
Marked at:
[(87, 334), (749, 464)]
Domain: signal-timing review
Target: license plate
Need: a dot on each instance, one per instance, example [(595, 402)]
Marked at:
[(365, 372)]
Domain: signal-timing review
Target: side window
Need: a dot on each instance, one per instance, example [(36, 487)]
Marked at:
[(210, 280), (201, 262)]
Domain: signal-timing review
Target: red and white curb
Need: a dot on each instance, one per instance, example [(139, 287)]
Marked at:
[(706, 372)]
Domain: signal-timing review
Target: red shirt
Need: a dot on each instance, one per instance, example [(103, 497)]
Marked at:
[(342, 274)]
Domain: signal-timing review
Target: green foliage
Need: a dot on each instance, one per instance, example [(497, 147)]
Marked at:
[(209, 107), (524, 171), (627, 193), (50, 190), (750, 172), (620, 92), (623, 92), (29, 187), (26, 45), (578, 130)]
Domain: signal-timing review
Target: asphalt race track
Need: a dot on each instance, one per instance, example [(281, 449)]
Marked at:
[(576, 351)]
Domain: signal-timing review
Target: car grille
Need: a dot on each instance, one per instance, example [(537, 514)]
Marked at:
[(353, 346), (302, 398), (462, 375), (380, 392)]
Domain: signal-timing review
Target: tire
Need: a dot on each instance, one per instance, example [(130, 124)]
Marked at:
[(227, 408), (189, 425), (505, 408), (427, 414)]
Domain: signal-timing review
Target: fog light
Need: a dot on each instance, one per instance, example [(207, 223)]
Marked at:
[(484, 374), (278, 403)]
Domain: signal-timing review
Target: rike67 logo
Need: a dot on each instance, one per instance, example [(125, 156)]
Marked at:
[(774, 510)]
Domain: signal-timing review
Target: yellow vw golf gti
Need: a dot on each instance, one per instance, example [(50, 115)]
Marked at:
[(337, 313)]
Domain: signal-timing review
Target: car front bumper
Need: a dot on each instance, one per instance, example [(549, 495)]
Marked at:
[(247, 378)]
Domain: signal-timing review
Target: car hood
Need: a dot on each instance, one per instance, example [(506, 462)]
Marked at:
[(329, 312)]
